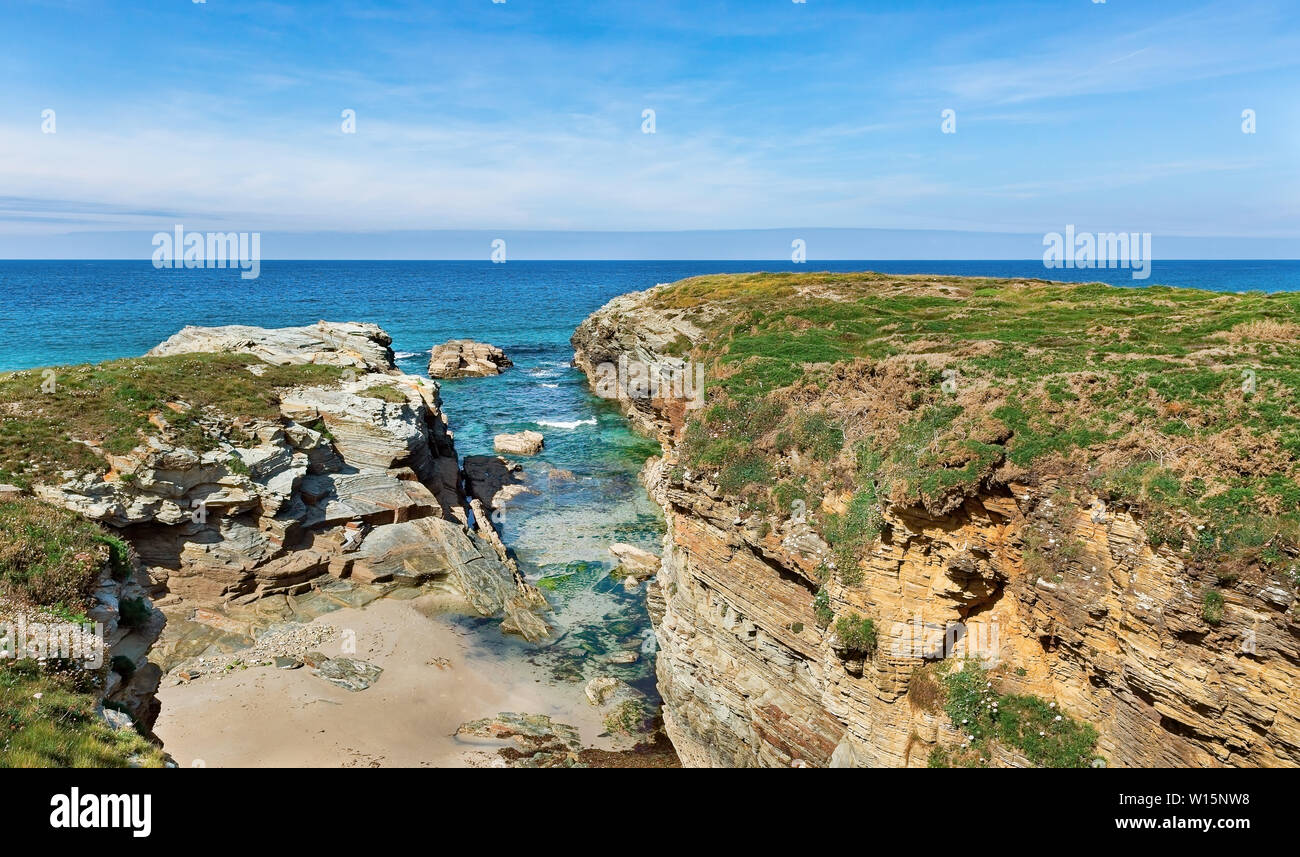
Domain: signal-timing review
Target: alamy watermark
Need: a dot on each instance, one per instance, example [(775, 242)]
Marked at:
[(1099, 250), (678, 380), (181, 249), (44, 641), (919, 639)]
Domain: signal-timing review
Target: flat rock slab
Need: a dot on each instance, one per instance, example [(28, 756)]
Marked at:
[(529, 731), (373, 497), (352, 344), (349, 674)]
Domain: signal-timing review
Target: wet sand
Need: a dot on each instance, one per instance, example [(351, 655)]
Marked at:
[(268, 717)]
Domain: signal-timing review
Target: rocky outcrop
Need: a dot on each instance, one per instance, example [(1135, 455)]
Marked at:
[(465, 358), (364, 347), (130, 631), (494, 480), (520, 443), (1079, 608), (354, 478)]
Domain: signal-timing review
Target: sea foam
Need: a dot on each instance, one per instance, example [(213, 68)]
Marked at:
[(571, 424)]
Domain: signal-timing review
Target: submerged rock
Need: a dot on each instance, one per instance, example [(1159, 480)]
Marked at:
[(465, 358), (634, 561)]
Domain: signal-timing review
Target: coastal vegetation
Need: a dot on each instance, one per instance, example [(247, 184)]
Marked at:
[(52, 420), (856, 635), (52, 557), (986, 719), (847, 392), (48, 720), (50, 561)]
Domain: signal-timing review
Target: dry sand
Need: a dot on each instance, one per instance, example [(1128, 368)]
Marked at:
[(268, 717)]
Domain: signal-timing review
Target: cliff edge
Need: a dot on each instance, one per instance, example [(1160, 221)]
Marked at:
[(948, 521)]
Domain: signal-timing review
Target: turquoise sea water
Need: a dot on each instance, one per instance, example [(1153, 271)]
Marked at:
[(62, 312)]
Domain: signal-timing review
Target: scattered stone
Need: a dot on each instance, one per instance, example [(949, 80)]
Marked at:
[(540, 742), (118, 721), (314, 659), (521, 443), (600, 689), (465, 358), (349, 674)]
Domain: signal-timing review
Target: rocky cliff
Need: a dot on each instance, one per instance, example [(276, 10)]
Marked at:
[(246, 466), (896, 539)]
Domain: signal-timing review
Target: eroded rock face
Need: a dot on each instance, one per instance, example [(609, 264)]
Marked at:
[(1115, 634), (129, 639), (465, 358), (355, 478)]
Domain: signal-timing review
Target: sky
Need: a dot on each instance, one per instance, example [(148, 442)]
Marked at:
[(525, 117)]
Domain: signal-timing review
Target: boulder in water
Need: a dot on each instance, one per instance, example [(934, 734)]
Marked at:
[(465, 358)]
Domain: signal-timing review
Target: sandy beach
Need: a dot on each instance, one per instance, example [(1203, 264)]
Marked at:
[(268, 717)]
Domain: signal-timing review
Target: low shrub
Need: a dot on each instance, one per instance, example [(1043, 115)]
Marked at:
[(856, 634)]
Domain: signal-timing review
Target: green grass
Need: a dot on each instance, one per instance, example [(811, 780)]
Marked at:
[(52, 557), (60, 729), (822, 608), (1038, 729), (856, 634), (1212, 607), (385, 393), (114, 405), (830, 384), (851, 534)]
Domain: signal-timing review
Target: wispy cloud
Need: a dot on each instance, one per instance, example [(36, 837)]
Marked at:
[(472, 115)]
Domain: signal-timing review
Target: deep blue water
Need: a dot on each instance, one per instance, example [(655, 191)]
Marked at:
[(62, 312)]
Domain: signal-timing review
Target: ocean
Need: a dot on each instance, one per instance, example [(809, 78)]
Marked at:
[(62, 312)]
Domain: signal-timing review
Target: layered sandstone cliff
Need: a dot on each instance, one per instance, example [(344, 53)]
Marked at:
[(1069, 597), (352, 476)]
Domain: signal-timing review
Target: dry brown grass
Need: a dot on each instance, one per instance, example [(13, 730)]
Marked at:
[(1262, 330)]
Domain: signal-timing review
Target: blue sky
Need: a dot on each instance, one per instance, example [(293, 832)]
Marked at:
[(527, 115)]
